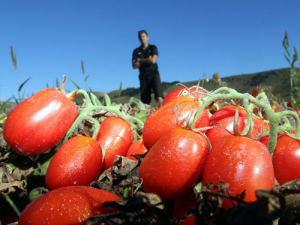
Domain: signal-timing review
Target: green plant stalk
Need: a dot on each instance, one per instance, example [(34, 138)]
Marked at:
[(12, 204), (262, 101), (92, 105)]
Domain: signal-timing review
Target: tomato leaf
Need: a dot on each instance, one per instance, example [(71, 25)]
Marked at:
[(21, 86), (82, 66), (107, 99), (142, 208), (86, 77), (75, 84), (13, 57), (122, 174)]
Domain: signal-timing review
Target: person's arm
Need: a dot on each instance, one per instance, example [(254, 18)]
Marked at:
[(135, 64), (150, 60)]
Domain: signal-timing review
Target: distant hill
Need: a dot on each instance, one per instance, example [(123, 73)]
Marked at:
[(276, 80)]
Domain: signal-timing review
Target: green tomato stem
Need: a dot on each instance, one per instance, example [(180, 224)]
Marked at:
[(94, 105), (12, 204), (249, 103)]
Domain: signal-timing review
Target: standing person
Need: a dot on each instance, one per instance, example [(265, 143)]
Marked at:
[(144, 58)]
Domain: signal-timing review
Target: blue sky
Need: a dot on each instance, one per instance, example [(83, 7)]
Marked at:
[(50, 38)]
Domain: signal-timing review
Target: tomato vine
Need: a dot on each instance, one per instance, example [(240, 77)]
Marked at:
[(94, 106), (278, 120)]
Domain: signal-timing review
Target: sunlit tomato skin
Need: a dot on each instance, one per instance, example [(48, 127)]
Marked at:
[(40, 122), (174, 94), (67, 205), (167, 116), (229, 111), (77, 162), (115, 136), (286, 159), (241, 162), (136, 147), (174, 164), (221, 129)]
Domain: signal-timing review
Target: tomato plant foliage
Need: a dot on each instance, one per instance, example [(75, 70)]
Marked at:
[(175, 168)]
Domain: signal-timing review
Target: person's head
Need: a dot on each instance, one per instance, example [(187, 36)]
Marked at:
[(143, 36)]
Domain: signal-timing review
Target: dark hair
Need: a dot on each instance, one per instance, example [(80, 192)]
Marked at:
[(142, 31)]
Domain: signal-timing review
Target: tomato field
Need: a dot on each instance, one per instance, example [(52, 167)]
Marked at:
[(203, 157)]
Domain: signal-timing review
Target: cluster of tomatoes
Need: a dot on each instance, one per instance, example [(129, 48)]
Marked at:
[(177, 155)]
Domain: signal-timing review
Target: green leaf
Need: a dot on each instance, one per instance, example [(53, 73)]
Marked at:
[(95, 99), (286, 43), (120, 91), (82, 66), (287, 59), (57, 83), (16, 100), (75, 84), (23, 96), (142, 115), (125, 193), (295, 57), (13, 57), (107, 99), (86, 77), (21, 86), (296, 89)]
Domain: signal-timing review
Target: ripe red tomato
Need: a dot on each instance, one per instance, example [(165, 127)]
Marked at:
[(174, 94), (229, 111), (174, 164), (136, 147), (166, 117), (115, 136), (290, 104), (297, 111), (241, 162), (40, 122), (275, 108), (256, 91), (77, 162), (264, 124), (286, 159), (219, 131), (67, 205)]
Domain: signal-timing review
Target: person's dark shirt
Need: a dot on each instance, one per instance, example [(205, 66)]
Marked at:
[(144, 54)]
